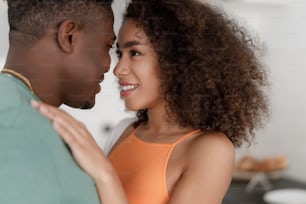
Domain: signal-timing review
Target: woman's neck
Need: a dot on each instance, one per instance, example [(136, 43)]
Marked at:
[(160, 124)]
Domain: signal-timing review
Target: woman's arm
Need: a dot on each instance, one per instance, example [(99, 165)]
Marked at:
[(208, 171), (87, 153)]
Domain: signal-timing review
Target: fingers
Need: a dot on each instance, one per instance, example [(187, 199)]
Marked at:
[(83, 146), (43, 108), (69, 128), (51, 112)]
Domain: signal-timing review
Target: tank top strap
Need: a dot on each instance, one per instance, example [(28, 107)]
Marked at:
[(187, 136)]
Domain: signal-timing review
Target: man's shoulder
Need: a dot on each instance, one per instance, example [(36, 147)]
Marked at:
[(8, 91), (15, 108)]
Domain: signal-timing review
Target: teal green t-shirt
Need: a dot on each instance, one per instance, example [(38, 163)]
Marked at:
[(36, 167)]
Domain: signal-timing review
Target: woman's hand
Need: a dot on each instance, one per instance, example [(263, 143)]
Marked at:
[(86, 152), (83, 146)]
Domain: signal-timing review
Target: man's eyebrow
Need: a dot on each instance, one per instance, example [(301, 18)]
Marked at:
[(129, 44)]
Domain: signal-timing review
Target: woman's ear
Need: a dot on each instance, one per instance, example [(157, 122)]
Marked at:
[(67, 35)]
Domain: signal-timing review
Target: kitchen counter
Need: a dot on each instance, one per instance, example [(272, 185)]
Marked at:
[(237, 193)]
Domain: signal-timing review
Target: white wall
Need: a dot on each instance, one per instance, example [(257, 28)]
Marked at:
[(3, 32), (283, 28)]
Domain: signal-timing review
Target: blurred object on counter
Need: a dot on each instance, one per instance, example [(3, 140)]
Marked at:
[(269, 164), (259, 171), (286, 196), (237, 193)]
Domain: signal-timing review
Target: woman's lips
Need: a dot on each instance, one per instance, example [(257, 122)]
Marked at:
[(127, 88)]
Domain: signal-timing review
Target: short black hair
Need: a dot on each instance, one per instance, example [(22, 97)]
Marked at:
[(31, 18)]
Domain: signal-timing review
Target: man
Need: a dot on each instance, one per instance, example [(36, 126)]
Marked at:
[(58, 53)]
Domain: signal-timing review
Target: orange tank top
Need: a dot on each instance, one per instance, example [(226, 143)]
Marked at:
[(142, 166)]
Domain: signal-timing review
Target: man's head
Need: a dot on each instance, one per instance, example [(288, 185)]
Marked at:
[(62, 46), (30, 19)]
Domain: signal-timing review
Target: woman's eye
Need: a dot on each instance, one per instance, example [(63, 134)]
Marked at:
[(134, 53)]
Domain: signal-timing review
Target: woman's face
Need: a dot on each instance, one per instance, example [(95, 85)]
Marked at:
[(138, 68)]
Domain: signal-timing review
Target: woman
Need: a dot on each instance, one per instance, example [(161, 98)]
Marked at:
[(193, 76)]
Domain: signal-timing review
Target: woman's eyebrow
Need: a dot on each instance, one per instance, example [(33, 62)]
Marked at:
[(130, 44)]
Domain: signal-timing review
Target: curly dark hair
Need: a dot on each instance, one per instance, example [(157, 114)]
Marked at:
[(210, 72), (30, 19)]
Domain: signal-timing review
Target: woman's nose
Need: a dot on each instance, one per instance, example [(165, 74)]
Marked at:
[(121, 68)]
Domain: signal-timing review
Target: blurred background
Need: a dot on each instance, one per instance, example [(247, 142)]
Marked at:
[(281, 25)]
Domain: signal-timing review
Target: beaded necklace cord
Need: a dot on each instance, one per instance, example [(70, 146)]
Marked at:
[(18, 76)]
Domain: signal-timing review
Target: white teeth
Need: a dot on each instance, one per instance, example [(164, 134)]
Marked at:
[(128, 87)]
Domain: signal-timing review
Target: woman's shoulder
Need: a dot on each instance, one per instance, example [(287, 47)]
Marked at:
[(211, 144), (208, 138)]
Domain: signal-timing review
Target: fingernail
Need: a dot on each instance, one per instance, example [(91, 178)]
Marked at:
[(34, 103)]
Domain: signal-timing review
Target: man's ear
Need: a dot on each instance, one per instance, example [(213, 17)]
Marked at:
[(67, 35)]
